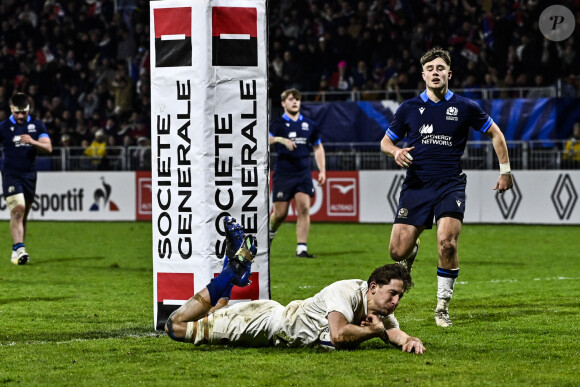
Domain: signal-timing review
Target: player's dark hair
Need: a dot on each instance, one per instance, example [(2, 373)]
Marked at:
[(384, 274), (434, 53), (20, 101), (287, 93)]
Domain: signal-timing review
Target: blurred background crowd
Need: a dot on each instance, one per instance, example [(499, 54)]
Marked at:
[(376, 45), (86, 63)]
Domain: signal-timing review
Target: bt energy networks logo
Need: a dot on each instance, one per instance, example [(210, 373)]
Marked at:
[(234, 36)]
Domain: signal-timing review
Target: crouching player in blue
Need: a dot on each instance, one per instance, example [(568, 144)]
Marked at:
[(22, 138), (436, 124), (342, 315)]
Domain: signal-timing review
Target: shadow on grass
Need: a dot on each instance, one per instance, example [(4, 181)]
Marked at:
[(57, 260)]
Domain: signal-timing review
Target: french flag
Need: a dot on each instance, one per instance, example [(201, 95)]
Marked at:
[(172, 37), (234, 36)]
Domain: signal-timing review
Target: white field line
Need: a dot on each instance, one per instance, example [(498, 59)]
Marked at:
[(517, 280), (122, 336)]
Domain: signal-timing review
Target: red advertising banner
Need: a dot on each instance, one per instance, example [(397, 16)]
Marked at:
[(144, 200), (336, 201)]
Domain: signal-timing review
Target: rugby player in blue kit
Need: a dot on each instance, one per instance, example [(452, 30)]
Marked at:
[(22, 137), (436, 125), (291, 134)]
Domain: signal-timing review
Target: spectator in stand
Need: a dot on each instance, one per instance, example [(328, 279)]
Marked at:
[(97, 150), (361, 75), (572, 150), (142, 155), (341, 80)]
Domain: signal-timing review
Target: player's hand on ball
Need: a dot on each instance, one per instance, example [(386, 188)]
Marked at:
[(289, 144), (403, 158)]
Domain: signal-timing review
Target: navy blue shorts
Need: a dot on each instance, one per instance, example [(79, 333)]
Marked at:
[(24, 183), (421, 202), (285, 187)]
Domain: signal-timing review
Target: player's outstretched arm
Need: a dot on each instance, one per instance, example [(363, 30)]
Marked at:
[(407, 343)]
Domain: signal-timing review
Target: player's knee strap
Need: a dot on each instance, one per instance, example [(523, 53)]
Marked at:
[(169, 325), (15, 200), (202, 300)]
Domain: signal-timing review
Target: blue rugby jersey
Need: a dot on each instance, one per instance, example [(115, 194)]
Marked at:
[(18, 157), (302, 131), (438, 131)]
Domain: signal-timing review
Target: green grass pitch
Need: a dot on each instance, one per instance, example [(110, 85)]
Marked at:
[(82, 312)]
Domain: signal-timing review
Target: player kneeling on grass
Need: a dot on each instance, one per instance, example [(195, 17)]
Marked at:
[(342, 315)]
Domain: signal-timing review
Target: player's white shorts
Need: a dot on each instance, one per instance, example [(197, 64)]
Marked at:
[(245, 323)]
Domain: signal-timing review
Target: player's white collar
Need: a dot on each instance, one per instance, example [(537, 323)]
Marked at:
[(448, 95), (287, 117)]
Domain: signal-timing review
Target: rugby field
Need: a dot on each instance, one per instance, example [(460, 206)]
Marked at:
[(81, 313)]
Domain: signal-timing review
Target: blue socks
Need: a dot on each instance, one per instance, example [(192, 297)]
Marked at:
[(220, 285)]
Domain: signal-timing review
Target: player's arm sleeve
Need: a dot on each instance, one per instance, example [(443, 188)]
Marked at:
[(341, 299), (390, 322), (315, 138), (396, 131), (479, 120)]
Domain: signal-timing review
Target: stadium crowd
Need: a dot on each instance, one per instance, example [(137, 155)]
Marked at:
[(375, 45), (86, 63)]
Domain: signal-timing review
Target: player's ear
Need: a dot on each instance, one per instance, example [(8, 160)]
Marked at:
[(423, 75), (450, 74)]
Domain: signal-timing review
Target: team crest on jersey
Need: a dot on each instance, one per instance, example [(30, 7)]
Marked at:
[(426, 129), (305, 126), (452, 113), (31, 128), (403, 213), (421, 110)]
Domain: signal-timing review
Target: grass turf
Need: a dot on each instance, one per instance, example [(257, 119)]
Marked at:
[(81, 312)]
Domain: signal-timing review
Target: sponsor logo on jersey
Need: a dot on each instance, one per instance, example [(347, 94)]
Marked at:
[(421, 110), (458, 203), (426, 129), (452, 113)]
